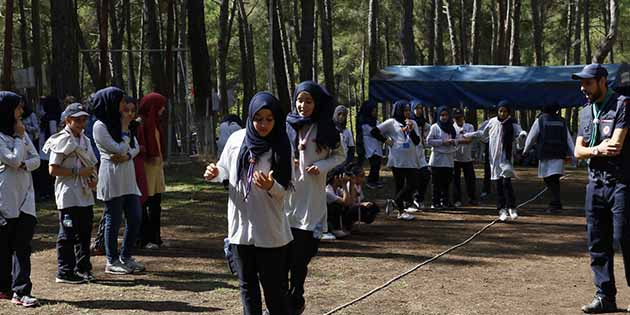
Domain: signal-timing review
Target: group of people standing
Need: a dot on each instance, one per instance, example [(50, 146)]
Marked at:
[(119, 162)]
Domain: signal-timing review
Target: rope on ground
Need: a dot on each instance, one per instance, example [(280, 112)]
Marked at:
[(434, 258)]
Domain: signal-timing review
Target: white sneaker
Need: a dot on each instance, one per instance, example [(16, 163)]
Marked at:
[(458, 204), (328, 237), (419, 205), (513, 214), (152, 246), (412, 209), (117, 268), (503, 215), (133, 264), (406, 217)]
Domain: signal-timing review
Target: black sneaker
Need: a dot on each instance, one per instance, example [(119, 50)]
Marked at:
[(71, 278), (600, 305), (88, 276)]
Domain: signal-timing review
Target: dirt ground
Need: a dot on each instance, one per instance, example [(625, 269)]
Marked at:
[(536, 265)]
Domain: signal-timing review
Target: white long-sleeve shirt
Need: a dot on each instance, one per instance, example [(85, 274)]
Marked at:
[(261, 220), (306, 206), (16, 184), (500, 166), (372, 145), (464, 150), (442, 154), (402, 153), (549, 167), (115, 179)]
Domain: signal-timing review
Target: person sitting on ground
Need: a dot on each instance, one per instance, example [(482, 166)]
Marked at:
[(338, 199)]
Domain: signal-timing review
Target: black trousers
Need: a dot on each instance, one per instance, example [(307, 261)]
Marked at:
[(405, 185), (344, 217), (442, 177), (468, 169), (303, 248), (269, 267), (73, 243), (553, 184), (423, 179), (505, 193), (151, 224), (43, 182), (375, 168), (607, 208), (487, 187), (15, 254)]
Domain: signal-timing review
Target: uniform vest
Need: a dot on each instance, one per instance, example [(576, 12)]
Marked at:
[(552, 138)]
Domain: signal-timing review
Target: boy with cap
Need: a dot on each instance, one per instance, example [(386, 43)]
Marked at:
[(553, 142), (603, 143), (463, 160), (72, 162)]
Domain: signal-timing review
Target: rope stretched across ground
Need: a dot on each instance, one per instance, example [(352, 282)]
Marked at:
[(428, 261)]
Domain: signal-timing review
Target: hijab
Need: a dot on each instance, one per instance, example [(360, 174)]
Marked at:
[(365, 114), (231, 118), (52, 112), (420, 120), (448, 125), (341, 125), (551, 108), (327, 134), (398, 112), (277, 140), (9, 101), (106, 104), (507, 129), (150, 106)]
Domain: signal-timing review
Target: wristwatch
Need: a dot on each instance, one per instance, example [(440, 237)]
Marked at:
[(595, 151)]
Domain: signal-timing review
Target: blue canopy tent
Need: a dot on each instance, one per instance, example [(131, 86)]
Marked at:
[(482, 86)]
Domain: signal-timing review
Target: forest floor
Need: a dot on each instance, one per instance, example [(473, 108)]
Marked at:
[(535, 265)]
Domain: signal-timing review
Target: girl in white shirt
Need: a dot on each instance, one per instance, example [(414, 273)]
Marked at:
[(502, 131), (340, 118), (257, 162), (442, 139), (316, 145), (401, 134), (424, 172), (366, 121), (18, 158)]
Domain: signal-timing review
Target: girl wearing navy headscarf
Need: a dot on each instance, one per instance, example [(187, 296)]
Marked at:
[(257, 162), (18, 158), (423, 173), (315, 143), (442, 139), (401, 133), (373, 149), (502, 131), (117, 185)]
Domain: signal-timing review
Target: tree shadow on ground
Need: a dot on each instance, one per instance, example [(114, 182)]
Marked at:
[(186, 281), (149, 306)]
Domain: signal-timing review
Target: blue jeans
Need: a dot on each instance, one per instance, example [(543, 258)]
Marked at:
[(607, 210), (114, 208)]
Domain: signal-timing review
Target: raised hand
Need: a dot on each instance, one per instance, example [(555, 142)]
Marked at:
[(313, 170), (263, 181), (211, 172)]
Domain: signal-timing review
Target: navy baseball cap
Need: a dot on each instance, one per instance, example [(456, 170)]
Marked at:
[(74, 110), (458, 112), (594, 70)]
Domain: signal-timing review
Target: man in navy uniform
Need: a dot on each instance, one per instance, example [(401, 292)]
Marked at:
[(607, 196)]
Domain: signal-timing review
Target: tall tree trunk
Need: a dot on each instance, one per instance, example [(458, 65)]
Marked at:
[(494, 41), (118, 30), (455, 52), (156, 59), (142, 47), (246, 77), (568, 33), (507, 31), (606, 44), (92, 68), (305, 41), (36, 55), (407, 45), (278, 66), (169, 60), (438, 31), (286, 50), (387, 41), (577, 48), (588, 54), (7, 79), (131, 76), (373, 39), (501, 38), (429, 31), (316, 29), (65, 52), (515, 50), (103, 14), (23, 41), (463, 46), (325, 10), (538, 32), (474, 32), (225, 30), (199, 57)]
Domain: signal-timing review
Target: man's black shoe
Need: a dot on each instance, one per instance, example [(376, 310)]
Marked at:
[(600, 305)]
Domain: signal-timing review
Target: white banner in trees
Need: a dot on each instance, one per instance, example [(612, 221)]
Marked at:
[(24, 78)]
